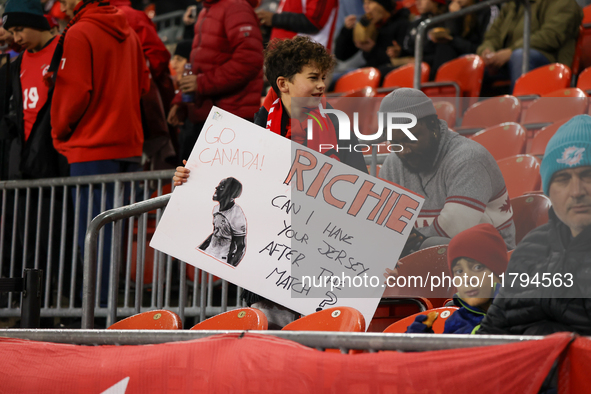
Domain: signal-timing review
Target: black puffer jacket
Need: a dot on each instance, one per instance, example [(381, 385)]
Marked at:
[(36, 157), (540, 311)]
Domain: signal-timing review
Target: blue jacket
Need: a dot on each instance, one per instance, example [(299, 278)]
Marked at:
[(465, 320)]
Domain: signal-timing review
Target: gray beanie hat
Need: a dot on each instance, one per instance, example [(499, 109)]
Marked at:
[(408, 100)]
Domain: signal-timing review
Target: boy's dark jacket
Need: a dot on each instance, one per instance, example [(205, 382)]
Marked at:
[(353, 159), (35, 158), (465, 320)]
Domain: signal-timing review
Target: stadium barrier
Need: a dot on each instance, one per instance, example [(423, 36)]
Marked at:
[(38, 229)]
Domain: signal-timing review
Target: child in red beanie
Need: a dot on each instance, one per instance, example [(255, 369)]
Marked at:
[(476, 252)]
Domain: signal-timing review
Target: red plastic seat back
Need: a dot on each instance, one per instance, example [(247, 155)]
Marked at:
[(559, 104), (438, 325), (404, 76), (424, 263), (504, 140), (446, 111), (540, 140), (467, 71), (529, 211), (576, 65), (543, 80), (521, 174), (493, 111), (237, 319), (341, 318), (584, 81), (151, 320), (358, 79)]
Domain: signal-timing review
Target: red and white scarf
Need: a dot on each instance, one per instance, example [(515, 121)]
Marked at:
[(296, 130)]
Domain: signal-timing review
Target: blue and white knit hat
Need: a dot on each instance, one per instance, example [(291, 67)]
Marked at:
[(570, 147)]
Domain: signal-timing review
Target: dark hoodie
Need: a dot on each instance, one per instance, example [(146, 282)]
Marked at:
[(102, 75)]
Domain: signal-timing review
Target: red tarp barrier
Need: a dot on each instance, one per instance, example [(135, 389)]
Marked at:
[(575, 370), (256, 363)]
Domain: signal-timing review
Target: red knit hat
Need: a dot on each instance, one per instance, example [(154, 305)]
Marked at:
[(482, 243)]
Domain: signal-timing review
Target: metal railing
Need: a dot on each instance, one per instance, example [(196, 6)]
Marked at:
[(420, 37), (39, 228), (371, 342), (202, 304)]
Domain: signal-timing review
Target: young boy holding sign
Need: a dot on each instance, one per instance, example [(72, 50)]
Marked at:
[(477, 256), (296, 68)]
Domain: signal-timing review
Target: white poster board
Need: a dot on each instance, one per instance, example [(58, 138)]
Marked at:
[(299, 213)]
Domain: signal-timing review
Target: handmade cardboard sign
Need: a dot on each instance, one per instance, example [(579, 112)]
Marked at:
[(288, 223)]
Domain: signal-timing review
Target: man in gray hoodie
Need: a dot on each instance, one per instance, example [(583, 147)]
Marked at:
[(460, 180)]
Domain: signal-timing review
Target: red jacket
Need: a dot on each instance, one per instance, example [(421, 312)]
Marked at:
[(154, 49), (95, 114), (227, 57)]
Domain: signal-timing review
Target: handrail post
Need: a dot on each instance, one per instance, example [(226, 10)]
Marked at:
[(90, 252), (526, 36), (419, 51)]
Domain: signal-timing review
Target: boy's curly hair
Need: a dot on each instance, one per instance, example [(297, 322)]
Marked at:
[(286, 58)]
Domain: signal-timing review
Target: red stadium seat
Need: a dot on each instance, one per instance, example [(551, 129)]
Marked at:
[(576, 65), (151, 320), (556, 105), (438, 325), (584, 81), (358, 79), (529, 211), (585, 60), (446, 111), (491, 112), (540, 140), (543, 80), (403, 77), (504, 140), (424, 263), (521, 174), (237, 319), (341, 318), (464, 74)]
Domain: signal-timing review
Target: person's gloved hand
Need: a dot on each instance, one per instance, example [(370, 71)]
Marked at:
[(422, 324)]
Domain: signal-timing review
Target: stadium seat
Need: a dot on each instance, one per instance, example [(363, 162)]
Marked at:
[(237, 319), (585, 60), (438, 325), (529, 211), (491, 112), (424, 263), (341, 318), (403, 77), (543, 80), (446, 111), (358, 79), (584, 81), (556, 105), (521, 174), (462, 75), (151, 320), (504, 140), (366, 91), (540, 140)]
